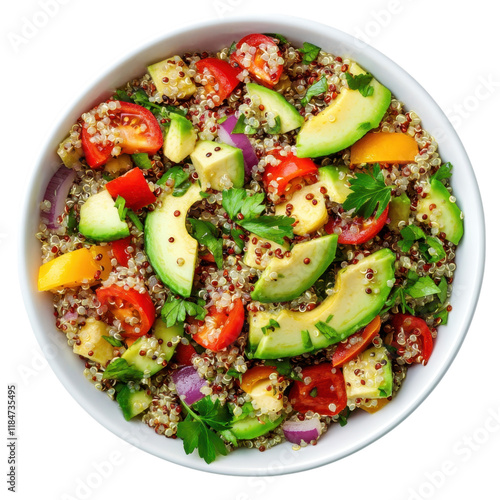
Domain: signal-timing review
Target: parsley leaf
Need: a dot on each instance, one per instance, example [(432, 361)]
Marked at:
[(443, 315), (368, 191), (121, 95), (443, 287), (272, 325), (180, 178), (270, 227), (432, 250), (328, 332), (242, 127), (283, 367), (410, 234), (134, 218), (160, 111), (120, 370), (111, 340), (234, 373), (360, 82), (278, 37), (142, 160), (423, 287), (444, 172), (236, 233), (236, 201), (277, 126), (317, 88), (71, 223), (120, 205), (309, 52), (343, 416), (195, 430), (206, 234), (175, 311)]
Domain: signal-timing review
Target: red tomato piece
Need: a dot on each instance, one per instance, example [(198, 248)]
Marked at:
[(221, 328), (139, 132), (252, 58), (135, 310), (277, 177), (184, 354), (133, 187), (412, 338), (220, 75), (357, 231), (356, 343), (120, 250), (324, 389)]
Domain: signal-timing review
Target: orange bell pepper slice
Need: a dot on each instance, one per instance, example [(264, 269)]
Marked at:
[(384, 147), (254, 375), (374, 409), (86, 265)]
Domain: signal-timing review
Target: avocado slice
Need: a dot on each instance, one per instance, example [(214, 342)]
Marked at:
[(92, 341), (348, 118), (100, 219), (69, 155), (399, 210), (341, 314), (295, 274), (252, 427), (260, 251), (369, 375), (180, 138), (445, 212), (309, 216), (173, 261), (215, 161), (336, 181), (160, 332), (273, 101), (133, 402), (170, 78)]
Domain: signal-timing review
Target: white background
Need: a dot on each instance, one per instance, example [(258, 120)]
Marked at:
[(451, 48)]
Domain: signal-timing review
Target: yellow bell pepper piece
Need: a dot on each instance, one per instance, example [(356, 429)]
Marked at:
[(374, 409), (86, 265), (384, 147)]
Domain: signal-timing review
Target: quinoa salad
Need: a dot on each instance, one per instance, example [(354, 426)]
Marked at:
[(245, 247)]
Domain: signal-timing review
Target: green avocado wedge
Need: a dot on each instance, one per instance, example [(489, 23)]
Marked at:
[(286, 278), (355, 301), (348, 118), (171, 250)]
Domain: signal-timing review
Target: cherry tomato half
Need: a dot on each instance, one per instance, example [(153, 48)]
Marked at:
[(356, 343), (253, 61), (135, 310), (324, 389), (221, 328), (357, 231), (119, 248), (138, 129), (184, 354), (412, 338), (133, 187), (277, 177), (220, 75)]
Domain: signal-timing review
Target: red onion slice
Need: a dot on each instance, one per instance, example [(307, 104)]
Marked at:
[(240, 141), (188, 383), (56, 193), (302, 430)]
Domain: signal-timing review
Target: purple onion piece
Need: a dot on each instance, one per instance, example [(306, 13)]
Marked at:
[(240, 141), (56, 193), (302, 430), (188, 384)]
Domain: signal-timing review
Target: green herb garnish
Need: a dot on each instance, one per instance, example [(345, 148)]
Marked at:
[(360, 82), (272, 325), (423, 287), (277, 126), (279, 37), (309, 52), (206, 234), (180, 178), (120, 205), (317, 88), (242, 127), (142, 160), (328, 332), (444, 172), (134, 218), (175, 310), (196, 429), (369, 193), (111, 340), (120, 370), (283, 367)]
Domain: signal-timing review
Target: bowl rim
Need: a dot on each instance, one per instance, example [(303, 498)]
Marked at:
[(285, 24)]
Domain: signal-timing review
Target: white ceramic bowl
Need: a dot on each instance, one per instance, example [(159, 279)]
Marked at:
[(362, 429)]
